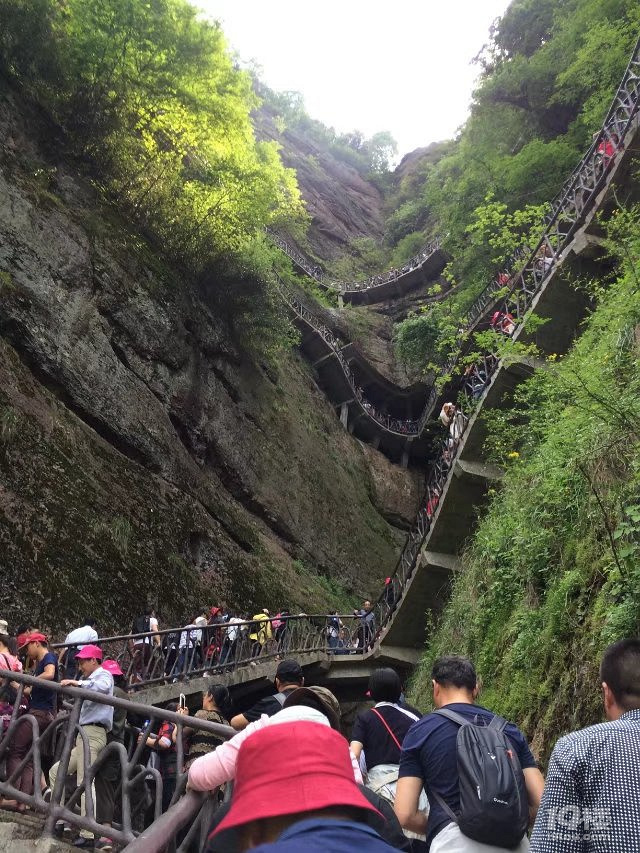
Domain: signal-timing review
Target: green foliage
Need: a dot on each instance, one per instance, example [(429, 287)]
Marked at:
[(407, 248), (552, 575), (494, 227), (549, 71), (9, 424), (416, 338), (366, 257), (148, 96)]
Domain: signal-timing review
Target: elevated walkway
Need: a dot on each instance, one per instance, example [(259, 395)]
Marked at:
[(422, 269), (456, 488)]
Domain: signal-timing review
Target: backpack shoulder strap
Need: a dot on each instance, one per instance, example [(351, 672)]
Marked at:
[(498, 723), (445, 807), (388, 728), (458, 719)]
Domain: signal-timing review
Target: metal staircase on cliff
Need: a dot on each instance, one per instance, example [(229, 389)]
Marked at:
[(510, 294), (424, 267), (455, 488), (459, 477)]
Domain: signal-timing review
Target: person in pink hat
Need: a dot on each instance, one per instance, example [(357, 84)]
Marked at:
[(295, 791), (96, 720)]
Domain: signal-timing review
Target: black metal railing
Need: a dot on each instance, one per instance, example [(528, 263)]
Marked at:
[(346, 288), (175, 654), (398, 426), (138, 786)]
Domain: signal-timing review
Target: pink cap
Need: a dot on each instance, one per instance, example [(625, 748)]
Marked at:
[(87, 652), (31, 637), (112, 666)]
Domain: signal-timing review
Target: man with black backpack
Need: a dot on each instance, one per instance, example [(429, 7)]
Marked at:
[(480, 776)]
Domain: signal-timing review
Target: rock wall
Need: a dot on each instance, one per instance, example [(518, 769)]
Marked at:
[(341, 203), (143, 453)]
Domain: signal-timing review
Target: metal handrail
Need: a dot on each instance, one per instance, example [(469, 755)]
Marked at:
[(62, 733), (398, 426), (315, 272), (190, 651)]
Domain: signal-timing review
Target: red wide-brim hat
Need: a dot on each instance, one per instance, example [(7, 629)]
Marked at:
[(289, 768)]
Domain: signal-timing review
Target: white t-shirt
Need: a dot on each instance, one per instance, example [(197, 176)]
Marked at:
[(81, 636), (232, 630)]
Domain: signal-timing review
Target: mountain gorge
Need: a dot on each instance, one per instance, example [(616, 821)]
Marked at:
[(141, 442), (165, 435)]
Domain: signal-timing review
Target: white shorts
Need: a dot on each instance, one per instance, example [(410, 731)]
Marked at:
[(451, 840)]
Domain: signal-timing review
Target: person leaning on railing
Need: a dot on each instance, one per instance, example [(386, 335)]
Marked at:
[(216, 708), (108, 777), (96, 720), (163, 745)]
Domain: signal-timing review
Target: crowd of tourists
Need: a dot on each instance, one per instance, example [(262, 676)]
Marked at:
[(459, 778), (215, 639), (395, 272)]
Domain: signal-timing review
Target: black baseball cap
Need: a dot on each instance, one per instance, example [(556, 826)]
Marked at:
[(290, 672)]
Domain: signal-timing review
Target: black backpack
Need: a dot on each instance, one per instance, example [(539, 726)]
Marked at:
[(141, 624), (494, 808)]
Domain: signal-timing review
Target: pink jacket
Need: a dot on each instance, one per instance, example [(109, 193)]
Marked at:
[(219, 766)]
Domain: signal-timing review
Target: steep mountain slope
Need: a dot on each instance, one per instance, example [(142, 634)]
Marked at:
[(144, 453)]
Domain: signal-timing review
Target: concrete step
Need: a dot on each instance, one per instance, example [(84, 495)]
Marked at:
[(22, 834)]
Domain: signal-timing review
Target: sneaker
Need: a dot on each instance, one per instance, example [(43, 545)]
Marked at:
[(46, 795)]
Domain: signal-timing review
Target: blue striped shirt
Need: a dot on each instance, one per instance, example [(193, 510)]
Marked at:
[(94, 713)]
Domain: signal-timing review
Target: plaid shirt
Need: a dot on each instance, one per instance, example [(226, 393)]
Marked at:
[(591, 800)]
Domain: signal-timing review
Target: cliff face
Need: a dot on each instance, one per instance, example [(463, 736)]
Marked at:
[(341, 203), (143, 454)]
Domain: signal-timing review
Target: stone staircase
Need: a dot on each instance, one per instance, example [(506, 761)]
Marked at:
[(20, 833)]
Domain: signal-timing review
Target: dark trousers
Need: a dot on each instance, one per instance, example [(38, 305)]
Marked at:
[(20, 745), (141, 658), (228, 651), (106, 782)]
